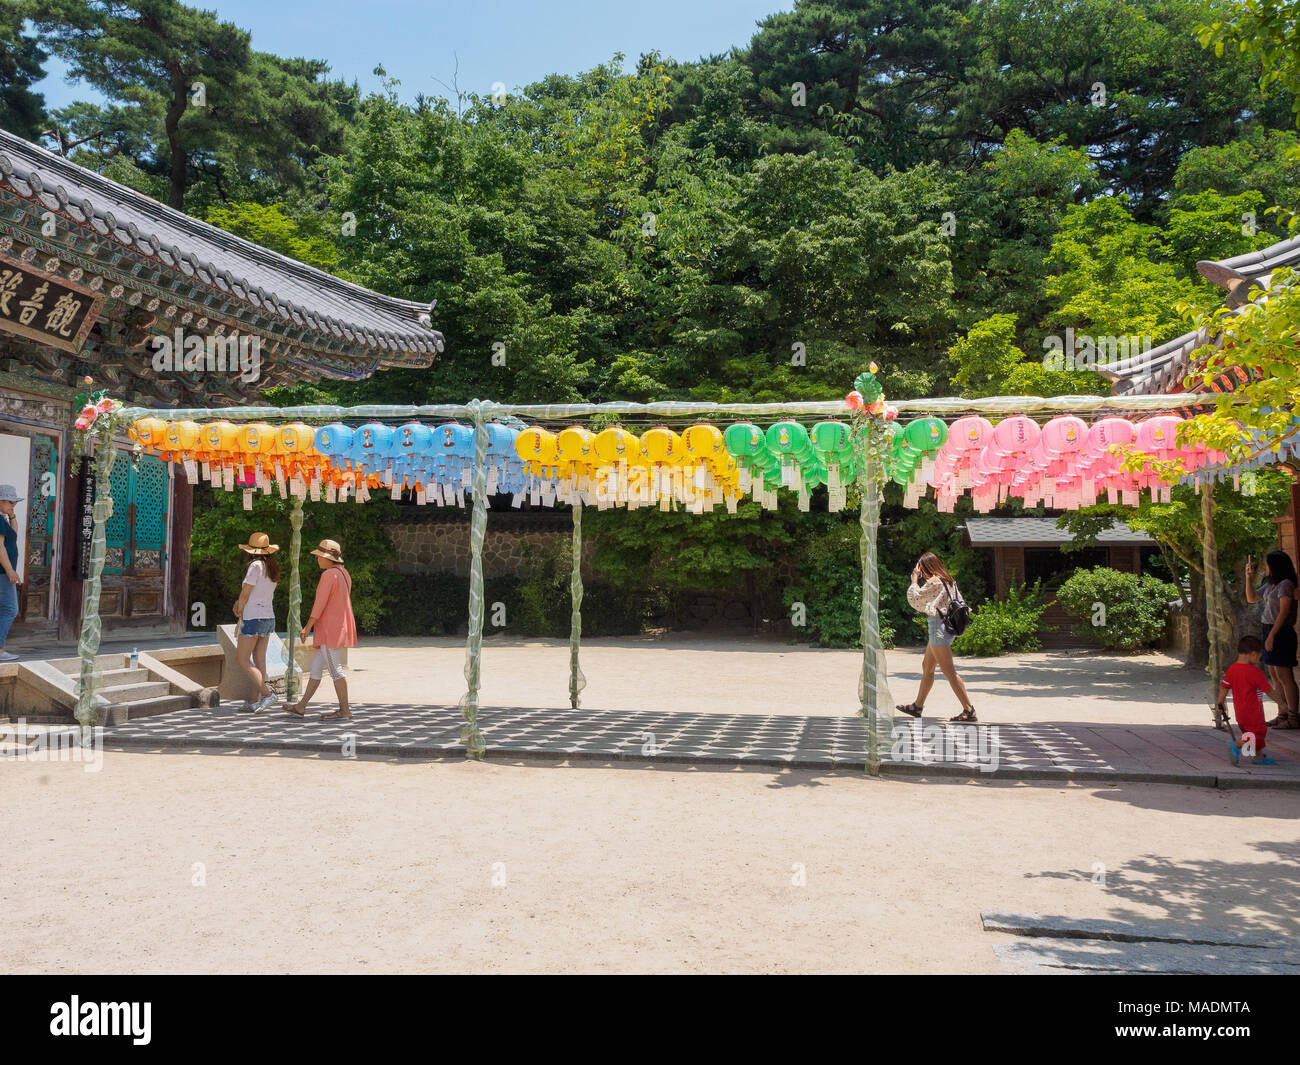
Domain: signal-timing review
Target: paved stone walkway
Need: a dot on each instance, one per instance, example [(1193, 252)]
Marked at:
[(1186, 754)]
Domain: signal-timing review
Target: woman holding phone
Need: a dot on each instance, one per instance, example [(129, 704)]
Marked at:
[(931, 593), (1278, 594)]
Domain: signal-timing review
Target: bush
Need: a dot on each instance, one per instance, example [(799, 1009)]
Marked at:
[(1001, 625), (1119, 611), (830, 588)]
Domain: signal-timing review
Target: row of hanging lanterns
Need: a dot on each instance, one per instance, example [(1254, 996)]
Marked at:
[(1063, 463)]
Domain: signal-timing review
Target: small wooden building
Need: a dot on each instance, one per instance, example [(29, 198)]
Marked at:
[(162, 310), (1024, 550)]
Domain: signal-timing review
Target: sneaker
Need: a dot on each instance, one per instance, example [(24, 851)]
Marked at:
[(5, 656), (263, 703), (1235, 751), (1264, 759)]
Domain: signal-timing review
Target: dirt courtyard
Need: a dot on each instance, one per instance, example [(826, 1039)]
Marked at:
[(232, 863), (238, 862), (694, 673)]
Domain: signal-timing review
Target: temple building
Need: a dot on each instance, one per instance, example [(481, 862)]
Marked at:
[(162, 310)]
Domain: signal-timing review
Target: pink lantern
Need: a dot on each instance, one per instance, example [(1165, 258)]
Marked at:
[(1016, 435), (969, 433), (1064, 434), (1109, 432), (1159, 436)]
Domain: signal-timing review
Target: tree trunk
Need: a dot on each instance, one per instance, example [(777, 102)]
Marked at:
[(1217, 612), (1198, 645), (176, 152)]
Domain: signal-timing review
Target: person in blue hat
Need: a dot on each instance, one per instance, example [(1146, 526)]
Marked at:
[(9, 498)]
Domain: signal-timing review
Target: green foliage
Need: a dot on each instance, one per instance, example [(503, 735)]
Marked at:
[(305, 239), (1120, 611), (217, 565), (830, 588), (256, 112), (21, 66), (990, 364), (999, 626)]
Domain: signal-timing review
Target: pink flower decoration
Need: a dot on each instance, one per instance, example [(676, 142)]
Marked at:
[(88, 380), (81, 423), (854, 400), (876, 407), (891, 413), (89, 413), (104, 406), (872, 367)]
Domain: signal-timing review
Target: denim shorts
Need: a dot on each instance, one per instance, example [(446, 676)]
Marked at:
[(257, 627), (939, 636)]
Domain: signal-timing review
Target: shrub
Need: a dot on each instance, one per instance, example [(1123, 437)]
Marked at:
[(830, 588), (1119, 611), (1001, 625)]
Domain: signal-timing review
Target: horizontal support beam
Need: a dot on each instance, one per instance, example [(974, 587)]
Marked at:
[(676, 409)]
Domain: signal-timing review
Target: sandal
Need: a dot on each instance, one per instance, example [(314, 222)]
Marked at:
[(295, 713), (336, 716), (966, 715), (911, 710), (1288, 721)]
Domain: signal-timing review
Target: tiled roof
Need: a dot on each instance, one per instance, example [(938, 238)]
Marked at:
[(273, 284), (1034, 532), (1163, 368)]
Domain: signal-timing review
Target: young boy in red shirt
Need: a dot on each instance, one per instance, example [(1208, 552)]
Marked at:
[(1246, 681)]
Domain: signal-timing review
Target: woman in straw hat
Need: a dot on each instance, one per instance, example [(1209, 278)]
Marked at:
[(256, 612), (332, 627)]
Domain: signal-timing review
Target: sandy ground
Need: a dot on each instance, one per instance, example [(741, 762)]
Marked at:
[(686, 673), (321, 865), (242, 862)]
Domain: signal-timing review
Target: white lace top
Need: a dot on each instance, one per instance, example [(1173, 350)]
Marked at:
[(929, 598)]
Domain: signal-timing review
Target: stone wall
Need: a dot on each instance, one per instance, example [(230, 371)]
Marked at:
[(443, 546)]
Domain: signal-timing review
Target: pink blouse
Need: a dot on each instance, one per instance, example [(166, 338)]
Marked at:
[(335, 625)]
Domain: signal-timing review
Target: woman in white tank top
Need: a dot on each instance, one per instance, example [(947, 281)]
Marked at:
[(255, 610)]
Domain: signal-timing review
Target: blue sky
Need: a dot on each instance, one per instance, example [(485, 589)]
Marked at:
[(495, 40)]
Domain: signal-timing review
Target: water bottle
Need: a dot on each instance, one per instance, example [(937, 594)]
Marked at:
[(135, 657)]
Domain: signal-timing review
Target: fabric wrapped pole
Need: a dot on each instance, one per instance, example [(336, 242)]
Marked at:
[(470, 735), (577, 681), (873, 682), (295, 597), (91, 679)]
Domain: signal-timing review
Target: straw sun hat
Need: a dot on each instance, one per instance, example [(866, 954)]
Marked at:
[(330, 549), (259, 544)]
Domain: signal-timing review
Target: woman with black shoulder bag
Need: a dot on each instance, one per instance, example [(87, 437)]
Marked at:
[(939, 599)]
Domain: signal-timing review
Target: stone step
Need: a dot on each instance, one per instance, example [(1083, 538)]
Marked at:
[(162, 704), (72, 666), (131, 694), (126, 675)]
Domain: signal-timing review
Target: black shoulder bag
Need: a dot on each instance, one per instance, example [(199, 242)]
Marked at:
[(957, 616)]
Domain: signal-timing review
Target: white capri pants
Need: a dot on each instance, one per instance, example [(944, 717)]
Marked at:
[(327, 660)]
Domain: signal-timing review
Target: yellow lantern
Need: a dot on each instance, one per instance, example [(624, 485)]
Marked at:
[(615, 444), (256, 438), (150, 433), (662, 446), (575, 444), (536, 445)]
